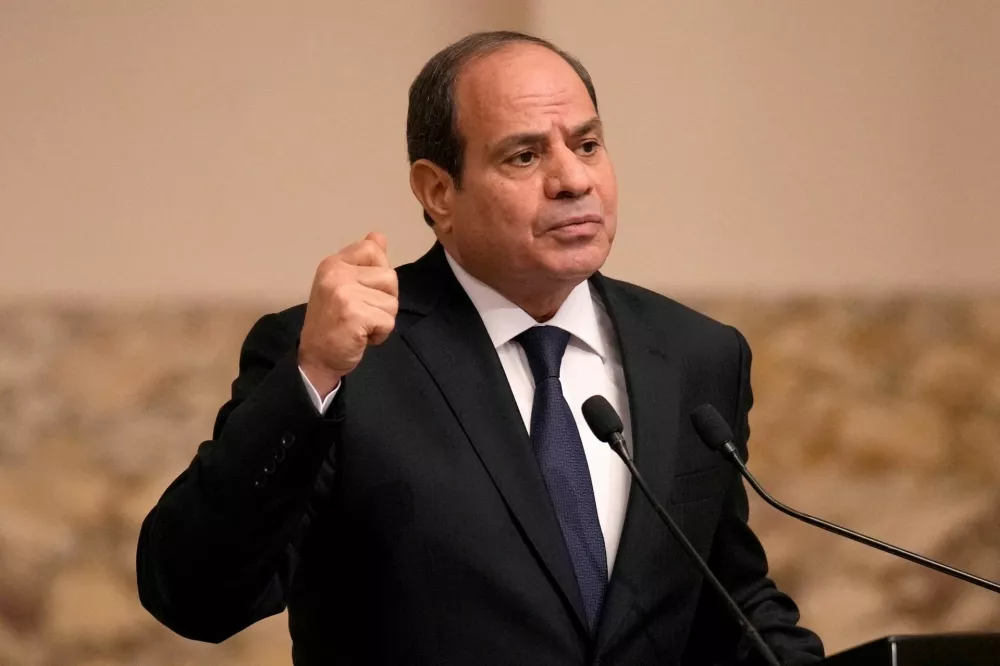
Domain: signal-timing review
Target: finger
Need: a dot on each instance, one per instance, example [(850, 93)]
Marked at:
[(365, 253), (383, 279), (379, 239), (379, 325), (381, 300)]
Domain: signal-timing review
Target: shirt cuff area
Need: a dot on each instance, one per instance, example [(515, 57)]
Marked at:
[(320, 403)]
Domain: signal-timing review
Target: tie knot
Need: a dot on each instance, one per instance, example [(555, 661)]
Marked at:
[(544, 346)]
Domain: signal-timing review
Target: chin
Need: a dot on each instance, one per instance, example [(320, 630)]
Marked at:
[(579, 263)]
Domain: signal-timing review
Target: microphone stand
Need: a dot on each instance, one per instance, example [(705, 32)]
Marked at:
[(734, 456), (617, 442)]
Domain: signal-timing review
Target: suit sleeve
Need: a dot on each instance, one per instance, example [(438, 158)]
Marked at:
[(738, 559), (215, 553)]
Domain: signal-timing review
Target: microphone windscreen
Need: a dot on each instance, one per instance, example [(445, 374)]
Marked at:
[(711, 427), (601, 417)]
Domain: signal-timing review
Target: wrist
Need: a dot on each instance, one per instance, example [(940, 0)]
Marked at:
[(323, 379)]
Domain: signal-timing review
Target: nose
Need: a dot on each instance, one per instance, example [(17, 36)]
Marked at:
[(568, 176)]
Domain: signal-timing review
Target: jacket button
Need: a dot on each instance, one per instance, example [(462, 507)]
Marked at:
[(287, 439), (279, 455), (269, 467), (260, 481)]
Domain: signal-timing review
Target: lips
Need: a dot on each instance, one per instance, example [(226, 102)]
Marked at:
[(576, 220)]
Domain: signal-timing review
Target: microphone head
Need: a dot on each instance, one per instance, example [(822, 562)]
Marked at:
[(711, 427), (602, 418)]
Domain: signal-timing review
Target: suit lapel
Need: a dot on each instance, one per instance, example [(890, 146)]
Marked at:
[(651, 378), (453, 344)]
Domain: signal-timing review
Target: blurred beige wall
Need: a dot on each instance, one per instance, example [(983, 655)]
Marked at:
[(220, 149), (208, 149), (781, 145)]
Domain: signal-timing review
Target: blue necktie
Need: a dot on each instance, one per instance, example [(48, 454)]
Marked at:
[(560, 455)]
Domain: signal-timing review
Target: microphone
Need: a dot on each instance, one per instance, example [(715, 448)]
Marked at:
[(716, 434), (605, 423)]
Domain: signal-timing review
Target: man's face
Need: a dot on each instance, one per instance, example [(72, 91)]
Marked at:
[(538, 198)]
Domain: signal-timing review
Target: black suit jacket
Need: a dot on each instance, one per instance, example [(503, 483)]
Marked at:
[(411, 524)]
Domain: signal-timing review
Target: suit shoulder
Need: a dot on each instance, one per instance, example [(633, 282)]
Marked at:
[(275, 332), (292, 317), (287, 321), (666, 313)]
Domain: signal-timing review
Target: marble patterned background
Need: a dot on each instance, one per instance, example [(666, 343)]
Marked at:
[(880, 413)]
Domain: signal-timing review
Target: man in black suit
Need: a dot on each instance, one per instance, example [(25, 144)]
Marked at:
[(403, 463)]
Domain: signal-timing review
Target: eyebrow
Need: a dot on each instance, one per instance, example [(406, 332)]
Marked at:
[(533, 138)]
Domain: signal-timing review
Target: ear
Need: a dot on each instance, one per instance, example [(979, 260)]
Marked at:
[(434, 188)]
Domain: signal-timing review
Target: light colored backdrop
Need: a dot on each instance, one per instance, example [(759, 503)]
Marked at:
[(221, 149), (208, 149), (806, 146)]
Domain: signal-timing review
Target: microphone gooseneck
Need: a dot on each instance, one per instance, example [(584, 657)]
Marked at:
[(717, 435), (607, 427)]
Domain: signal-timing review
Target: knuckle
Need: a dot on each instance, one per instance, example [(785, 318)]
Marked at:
[(348, 311), (340, 292), (329, 276), (328, 264), (359, 335)]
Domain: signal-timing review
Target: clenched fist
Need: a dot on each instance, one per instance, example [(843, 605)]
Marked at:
[(353, 304)]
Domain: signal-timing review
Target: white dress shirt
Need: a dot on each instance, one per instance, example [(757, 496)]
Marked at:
[(591, 365)]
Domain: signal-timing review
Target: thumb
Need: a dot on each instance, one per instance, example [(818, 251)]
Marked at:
[(378, 238)]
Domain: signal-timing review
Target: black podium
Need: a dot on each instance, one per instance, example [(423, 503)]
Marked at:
[(939, 650)]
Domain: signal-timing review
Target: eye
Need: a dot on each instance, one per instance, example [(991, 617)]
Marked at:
[(523, 158), (590, 146)]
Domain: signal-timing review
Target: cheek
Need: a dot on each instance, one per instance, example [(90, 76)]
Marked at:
[(608, 192), (608, 188), (510, 207)]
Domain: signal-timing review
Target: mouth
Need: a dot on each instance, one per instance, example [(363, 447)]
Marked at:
[(577, 221)]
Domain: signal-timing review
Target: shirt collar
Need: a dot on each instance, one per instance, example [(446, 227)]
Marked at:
[(504, 321)]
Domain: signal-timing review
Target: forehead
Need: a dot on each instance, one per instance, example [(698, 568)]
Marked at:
[(520, 87)]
